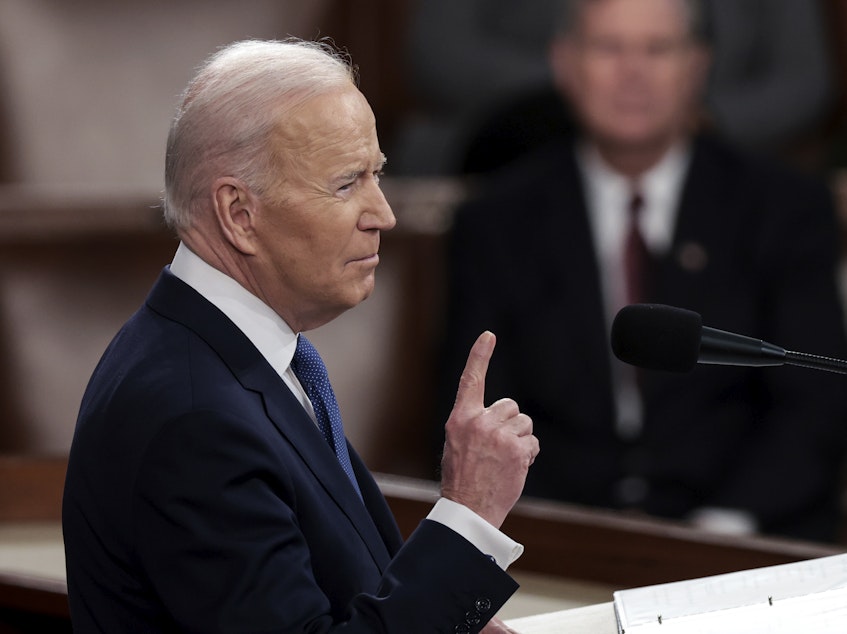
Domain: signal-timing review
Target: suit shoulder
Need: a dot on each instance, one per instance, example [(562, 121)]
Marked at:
[(523, 185), (755, 170), (143, 344)]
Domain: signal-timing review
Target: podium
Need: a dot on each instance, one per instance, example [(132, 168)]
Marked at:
[(606, 551), (608, 547)]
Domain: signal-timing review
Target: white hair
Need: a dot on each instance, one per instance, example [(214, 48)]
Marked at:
[(229, 109)]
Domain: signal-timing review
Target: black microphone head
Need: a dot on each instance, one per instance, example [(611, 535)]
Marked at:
[(657, 337)]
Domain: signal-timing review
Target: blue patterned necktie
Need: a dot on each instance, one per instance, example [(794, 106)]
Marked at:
[(311, 372)]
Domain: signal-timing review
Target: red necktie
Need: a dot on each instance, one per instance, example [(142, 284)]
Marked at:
[(636, 255)]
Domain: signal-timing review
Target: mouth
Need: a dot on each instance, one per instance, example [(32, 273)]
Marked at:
[(369, 259), (372, 260)]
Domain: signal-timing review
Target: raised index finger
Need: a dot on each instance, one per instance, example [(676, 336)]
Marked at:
[(471, 394)]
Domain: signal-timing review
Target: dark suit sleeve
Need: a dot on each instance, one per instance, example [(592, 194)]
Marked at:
[(221, 538)]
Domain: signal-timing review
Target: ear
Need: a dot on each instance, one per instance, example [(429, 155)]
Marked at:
[(701, 64), (235, 210), (562, 56)]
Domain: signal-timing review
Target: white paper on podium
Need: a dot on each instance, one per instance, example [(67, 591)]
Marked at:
[(807, 597)]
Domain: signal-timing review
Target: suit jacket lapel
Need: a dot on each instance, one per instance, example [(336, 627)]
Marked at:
[(704, 218), (294, 424), (376, 504), (569, 243), (176, 300)]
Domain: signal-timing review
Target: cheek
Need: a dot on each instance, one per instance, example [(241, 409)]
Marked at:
[(297, 254), (325, 253), (678, 82), (690, 92), (598, 78), (589, 95)]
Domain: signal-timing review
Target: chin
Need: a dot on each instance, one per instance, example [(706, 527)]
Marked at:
[(364, 295), (367, 286), (356, 296), (632, 139)]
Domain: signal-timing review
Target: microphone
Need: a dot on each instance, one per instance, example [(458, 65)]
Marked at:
[(659, 337)]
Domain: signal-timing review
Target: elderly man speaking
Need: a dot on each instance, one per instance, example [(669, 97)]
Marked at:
[(210, 487)]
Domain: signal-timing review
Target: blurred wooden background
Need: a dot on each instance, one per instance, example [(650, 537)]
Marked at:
[(87, 90)]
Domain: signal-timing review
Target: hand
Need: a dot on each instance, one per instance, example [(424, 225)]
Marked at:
[(496, 626), (488, 450)]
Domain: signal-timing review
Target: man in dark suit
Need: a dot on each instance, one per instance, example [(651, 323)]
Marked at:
[(209, 486), (549, 251)]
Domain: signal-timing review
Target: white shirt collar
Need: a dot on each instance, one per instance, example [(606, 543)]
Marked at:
[(263, 327), (608, 192)]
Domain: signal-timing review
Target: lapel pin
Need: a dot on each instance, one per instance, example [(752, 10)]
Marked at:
[(692, 257)]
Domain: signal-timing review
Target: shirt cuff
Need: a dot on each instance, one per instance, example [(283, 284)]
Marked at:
[(477, 531), (723, 520)]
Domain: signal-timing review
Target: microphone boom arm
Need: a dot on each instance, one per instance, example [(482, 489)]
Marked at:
[(720, 347), (816, 362)]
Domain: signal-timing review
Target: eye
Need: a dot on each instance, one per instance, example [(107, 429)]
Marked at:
[(377, 174), (348, 184), (663, 48), (603, 47)]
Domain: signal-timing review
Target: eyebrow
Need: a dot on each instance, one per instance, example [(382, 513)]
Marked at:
[(352, 175)]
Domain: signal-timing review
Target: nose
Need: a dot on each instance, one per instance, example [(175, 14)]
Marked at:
[(377, 213)]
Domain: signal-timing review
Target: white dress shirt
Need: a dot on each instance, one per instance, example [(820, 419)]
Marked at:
[(607, 194), (276, 342)]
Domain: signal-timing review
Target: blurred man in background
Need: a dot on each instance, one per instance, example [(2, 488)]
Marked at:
[(639, 207)]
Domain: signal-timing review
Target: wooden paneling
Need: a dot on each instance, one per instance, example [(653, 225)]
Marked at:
[(31, 488), (608, 547), (560, 540)]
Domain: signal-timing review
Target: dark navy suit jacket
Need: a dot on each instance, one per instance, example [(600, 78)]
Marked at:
[(200, 497), (754, 252)]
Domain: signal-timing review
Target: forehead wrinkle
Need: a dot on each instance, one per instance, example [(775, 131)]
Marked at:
[(340, 142), (341, 129), (341, 107)]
